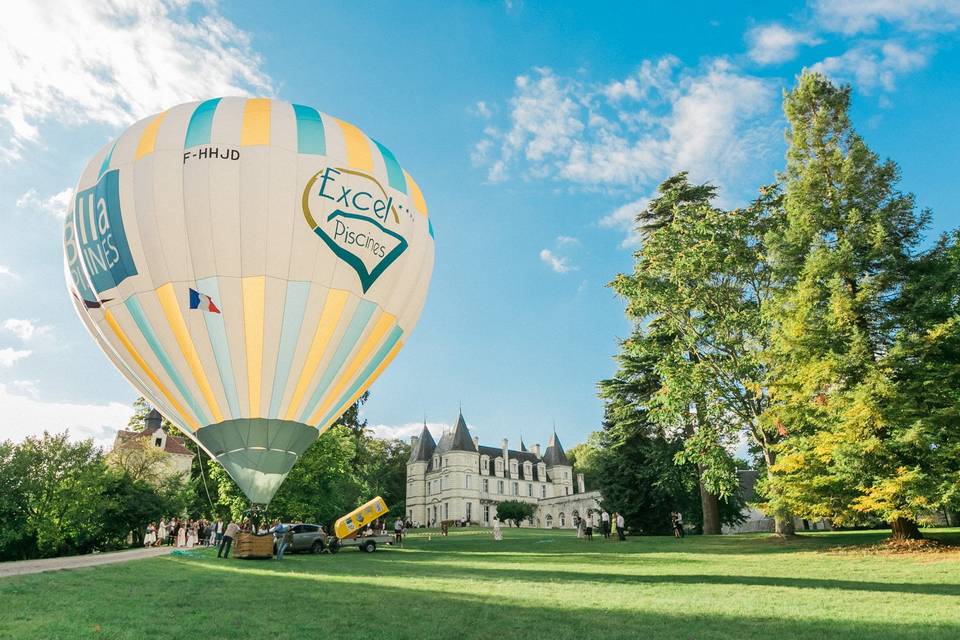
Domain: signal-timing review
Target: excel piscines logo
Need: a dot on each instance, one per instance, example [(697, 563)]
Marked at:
[(352, 213)]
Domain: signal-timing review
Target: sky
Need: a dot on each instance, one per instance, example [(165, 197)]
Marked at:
[(536, 131)]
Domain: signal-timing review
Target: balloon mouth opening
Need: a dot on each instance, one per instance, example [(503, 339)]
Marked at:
[(257, 453)]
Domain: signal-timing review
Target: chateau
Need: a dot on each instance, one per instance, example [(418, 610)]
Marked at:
[(458, 478), (177, 459)]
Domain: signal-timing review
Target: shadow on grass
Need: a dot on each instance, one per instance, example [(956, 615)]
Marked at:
[(202, 600)]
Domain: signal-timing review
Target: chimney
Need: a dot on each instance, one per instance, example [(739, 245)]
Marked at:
[(536, 450), (580, 486), (476, 442), (506, 457)]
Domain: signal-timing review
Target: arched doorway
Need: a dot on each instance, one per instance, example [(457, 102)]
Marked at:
[(549, 521), (563, 520)]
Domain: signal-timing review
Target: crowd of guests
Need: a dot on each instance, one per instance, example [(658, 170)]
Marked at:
[(606, 525), (183, 533)]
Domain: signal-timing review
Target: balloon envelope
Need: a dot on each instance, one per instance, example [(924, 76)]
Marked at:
[(250, 266)]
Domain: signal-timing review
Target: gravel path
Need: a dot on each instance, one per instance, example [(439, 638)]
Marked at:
[(22, 567)]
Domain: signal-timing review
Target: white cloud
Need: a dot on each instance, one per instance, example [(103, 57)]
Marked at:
[(9, 356), (27, 388), (774, 43), (111, 63), (873, 65), (22, 415), (559, 264), (26, 330), (567, 240), (6, 271), (625, 219), (55, 205), (859, 16), (714, 123), (404, 431)]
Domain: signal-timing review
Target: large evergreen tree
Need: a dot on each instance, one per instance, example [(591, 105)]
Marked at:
[(843, 259)]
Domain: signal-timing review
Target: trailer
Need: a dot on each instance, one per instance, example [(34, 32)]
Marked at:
[(364, 543)]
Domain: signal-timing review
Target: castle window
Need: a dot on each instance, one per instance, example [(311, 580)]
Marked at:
[(499, 466), (467, 480), (516, 488), (485, 464), (527, 470), (543, 491), (446, 510), (568, 490), (530, 489), (513, 468), (486, 513), (549, 521), (158, 442), (563, 520), (486, 486), (566, 475), (500, 486)]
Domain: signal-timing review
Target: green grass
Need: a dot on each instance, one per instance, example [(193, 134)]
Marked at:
[(534, 584)]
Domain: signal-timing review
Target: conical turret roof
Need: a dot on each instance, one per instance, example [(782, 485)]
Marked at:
[(554, 454), (460, 439), (423, 450)]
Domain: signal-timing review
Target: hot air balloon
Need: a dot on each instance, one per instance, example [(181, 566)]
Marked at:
[(251, 266)]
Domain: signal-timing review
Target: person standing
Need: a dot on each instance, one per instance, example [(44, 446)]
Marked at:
[(218, 532), (398, 531), (227, 541), (620, 526), (678, 531), (497, 533), (279, 534), (605, 523), (588, 530)]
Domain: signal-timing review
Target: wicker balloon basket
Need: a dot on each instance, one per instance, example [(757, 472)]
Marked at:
[(248, 545)]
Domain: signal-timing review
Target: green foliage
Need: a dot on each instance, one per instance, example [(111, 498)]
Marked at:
[(585, 458), (514, 511), (863, 365), (59, 497), (640, 471)]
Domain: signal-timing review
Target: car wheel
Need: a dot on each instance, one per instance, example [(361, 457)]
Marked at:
[(334, 546), (317, 547), (370, 547)]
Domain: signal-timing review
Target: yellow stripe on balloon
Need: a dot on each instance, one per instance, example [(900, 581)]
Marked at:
[(148, 139), (168, 302), (418, 202), (256, 122), (253, 296), (125, 341), (359, 153), (329, 318), (384, 323), (366, 385)]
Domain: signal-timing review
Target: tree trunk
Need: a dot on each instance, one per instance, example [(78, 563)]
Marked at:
[(710, 504), (783, 526), (905, 529)]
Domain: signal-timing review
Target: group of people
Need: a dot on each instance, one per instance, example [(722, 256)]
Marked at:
[(183, 533), (608, 524)]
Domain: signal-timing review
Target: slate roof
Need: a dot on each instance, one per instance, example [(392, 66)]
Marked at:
[(423, 450), (457, 440), (519, 456), (554, 454), (173, 445)]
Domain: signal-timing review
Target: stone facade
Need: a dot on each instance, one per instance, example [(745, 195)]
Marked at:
[(177, 460), (458, 478)]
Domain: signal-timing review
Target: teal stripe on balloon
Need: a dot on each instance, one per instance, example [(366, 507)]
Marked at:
[(310, 134), (293, 310), (394, 172), (430, 227), (217, 332), (357, 324), (375, 361), (201, 123), (106, 160), (140, 318)]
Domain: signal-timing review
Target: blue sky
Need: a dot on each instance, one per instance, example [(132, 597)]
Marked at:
[(535, 130)]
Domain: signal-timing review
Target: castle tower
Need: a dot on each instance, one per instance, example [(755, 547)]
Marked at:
[(421, 452), (559, 469)]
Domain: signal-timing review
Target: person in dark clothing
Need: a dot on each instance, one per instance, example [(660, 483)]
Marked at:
[(227, 541)]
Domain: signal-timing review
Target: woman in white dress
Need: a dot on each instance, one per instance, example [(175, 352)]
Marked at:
[(497, 534), (191, 534), (151, 536), (182, 535)]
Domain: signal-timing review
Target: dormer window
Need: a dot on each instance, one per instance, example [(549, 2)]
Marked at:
[(499, 465), (158, 442), (527, 469), (485, 464), (436, 462), (513, 467)]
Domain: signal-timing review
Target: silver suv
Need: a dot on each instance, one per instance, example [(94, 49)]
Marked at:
[(306, 537)]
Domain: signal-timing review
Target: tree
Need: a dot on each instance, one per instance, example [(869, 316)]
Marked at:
[(639, 471), (842, 261), (140, 461), (585, 459), (697, 286), (514, 511)]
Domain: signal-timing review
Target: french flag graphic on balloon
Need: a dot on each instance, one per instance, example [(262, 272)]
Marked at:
[(202, 301)]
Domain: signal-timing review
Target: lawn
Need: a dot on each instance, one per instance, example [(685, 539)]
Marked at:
[(534, 584)]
